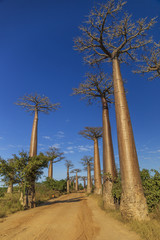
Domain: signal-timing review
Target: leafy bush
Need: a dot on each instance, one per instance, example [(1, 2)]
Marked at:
[(56, 185), (151, 186), (2, 191)]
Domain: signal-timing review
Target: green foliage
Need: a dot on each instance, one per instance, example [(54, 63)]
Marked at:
[(117, 188), (2, 192), (56, 185), (151, 186), (8, 171)]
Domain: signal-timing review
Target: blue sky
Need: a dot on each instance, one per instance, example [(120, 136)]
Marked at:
[(37, 55)]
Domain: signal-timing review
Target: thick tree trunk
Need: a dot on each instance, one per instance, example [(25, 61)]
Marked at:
[(32, 153), (109, 168), (76, 182), (50, 170), (133, 203), (97, 169), (10, 188), (89, 187), (68, 182)]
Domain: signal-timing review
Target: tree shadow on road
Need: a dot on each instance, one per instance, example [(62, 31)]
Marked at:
[(71, 200)]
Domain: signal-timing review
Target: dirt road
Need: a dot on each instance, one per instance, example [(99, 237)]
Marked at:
[(70, 217)]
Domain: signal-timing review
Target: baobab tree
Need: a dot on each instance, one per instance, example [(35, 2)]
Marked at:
[(68, 165), (35, 103), (151, 61), (83, 178), (109, 35), (54, 156), (99, 87), (87, 162), (77, 170), (94, 133)]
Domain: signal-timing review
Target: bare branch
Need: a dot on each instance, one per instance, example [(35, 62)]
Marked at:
[(91, 132), (96, 86), (109, 32), (151, 61), (32, 102)]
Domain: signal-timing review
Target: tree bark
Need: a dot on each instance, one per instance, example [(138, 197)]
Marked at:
[(32, 153), (133, 203), (109, 168), (10, 188), (33, 144), (50, 170), (68, 184), (89, 187), (76, 182), (97, 169)]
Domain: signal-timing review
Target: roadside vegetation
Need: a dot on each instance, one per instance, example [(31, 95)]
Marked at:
[(149, 229), (9, 203)]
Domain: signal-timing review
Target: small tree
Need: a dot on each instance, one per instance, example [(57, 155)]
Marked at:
[(54, 156), (94, 133), (110, 35), (35, 103), (99, 87), (28, 169), (87, 162), (68, 165), (77, 170), (8, 172)]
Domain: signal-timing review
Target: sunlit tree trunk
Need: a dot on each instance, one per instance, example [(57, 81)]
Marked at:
[(76, 182), (50, 170), (10, 187), (97, 169), (109, 168), (84, 183), (133, 202), (68, 182), (32, 153), (89, 187)]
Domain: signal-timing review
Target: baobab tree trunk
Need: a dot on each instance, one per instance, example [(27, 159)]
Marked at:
[(109, 168), (84, 183), (32, 153), (50, 170), (10, 187), (97, 169), (133, 203), (89, 187), (68, 182), (76, 182)]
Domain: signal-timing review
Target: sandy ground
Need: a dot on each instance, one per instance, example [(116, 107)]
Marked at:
[(70, 217)]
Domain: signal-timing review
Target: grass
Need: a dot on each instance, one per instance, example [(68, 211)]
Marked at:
[(148, 230), (9, 203)]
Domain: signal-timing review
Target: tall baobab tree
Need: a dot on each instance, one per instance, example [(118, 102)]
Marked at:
[(54, 156), (77, 170), (99, 87), (87, 162), (151, 61), (35, 103), (94, 133), (110, 35), (68, 165)]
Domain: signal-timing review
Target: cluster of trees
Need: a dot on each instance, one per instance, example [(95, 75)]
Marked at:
[(110, 36)]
